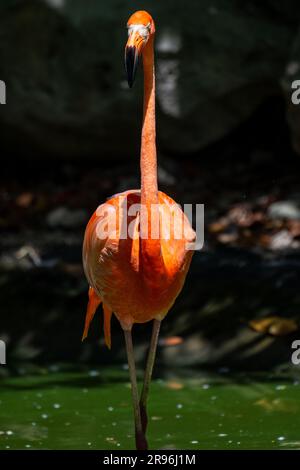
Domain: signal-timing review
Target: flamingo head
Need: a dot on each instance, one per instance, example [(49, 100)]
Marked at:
[(140, 28)]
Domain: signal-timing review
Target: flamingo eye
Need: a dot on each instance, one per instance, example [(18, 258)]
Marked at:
[(143, 30)]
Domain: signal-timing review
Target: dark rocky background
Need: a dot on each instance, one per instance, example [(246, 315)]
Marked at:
[(228, 137)]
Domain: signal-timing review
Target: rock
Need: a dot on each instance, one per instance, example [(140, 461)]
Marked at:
[(66, 90), (63, 217), (284, 210), (26, 257), (281, 240)]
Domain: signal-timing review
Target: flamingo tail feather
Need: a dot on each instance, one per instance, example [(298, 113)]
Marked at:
[(93, 304)]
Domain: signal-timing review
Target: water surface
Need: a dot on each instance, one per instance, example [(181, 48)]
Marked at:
[(58, 408)]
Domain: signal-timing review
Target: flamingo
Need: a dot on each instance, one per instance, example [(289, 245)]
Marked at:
[(138, 277)]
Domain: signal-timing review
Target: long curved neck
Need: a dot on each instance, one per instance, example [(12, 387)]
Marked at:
[(148, 148), (149, 227)]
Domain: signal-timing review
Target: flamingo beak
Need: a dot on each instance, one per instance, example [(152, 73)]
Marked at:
[(133, 50)]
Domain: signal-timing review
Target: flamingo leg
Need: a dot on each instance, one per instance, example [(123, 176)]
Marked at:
[(148, 374), (107, 317), (140, 439)]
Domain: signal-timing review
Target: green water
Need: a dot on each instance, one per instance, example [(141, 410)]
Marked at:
[(91, 409)]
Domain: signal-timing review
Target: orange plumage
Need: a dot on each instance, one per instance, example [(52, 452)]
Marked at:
[(126, 282), (138, 279)]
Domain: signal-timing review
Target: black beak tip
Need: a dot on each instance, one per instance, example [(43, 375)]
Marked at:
[(131, 63)]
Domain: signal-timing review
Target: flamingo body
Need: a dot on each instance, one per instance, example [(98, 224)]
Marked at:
[(134, 287)]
